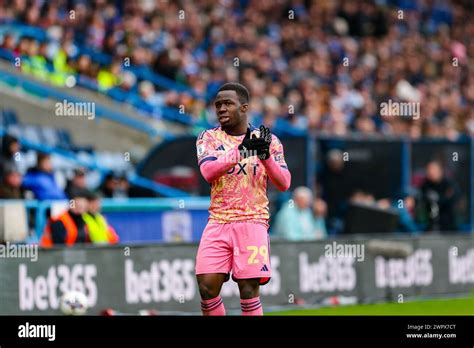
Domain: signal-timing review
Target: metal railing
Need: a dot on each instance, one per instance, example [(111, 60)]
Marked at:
[(39, 209)]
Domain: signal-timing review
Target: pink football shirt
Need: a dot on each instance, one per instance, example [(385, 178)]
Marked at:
[(240, 194)]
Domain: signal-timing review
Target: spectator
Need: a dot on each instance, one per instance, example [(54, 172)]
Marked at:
[(319, 215), (109, 186), (36, 63), (77, 183), (405, 207), (40, 180), (439, 196), (8, 42), (10, 148), (128, 81), (10, 187), (22, 46), (295, 220), (123, 187), (84, 69), (148, 96), (100, 232), (406, 210), (331, 182), (68, 228), (109, 78)]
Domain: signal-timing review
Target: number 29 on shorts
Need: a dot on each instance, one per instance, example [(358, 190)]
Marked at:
[(262, 251)]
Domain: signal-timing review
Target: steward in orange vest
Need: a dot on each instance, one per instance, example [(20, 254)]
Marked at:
[(69, 228)]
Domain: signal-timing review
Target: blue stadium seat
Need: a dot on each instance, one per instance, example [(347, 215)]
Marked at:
[(141, 105), (173, 114), (117, 94), (66, 142), (50, 136), (86, 82), (15, 130), (6, 55), (33, 134), (64, 139), (9, 117), (102, 58)]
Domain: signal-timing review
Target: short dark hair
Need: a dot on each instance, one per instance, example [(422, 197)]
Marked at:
[(79, 172), (80, 193), (41, 156), (241, 90), (92, 196)]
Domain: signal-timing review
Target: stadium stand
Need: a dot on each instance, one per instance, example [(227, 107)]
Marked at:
[(317, 68), (280, 71)]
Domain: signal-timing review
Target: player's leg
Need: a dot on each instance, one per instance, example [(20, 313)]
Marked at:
[(249, 296), (210, 284), (209, 288), (213, 264), (251, 267)]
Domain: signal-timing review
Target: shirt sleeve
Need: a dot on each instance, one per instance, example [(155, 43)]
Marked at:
[(204, 148), (212, 163), (276, 167), (276, 151)]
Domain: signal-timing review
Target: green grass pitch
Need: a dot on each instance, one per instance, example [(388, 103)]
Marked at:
[(457, 306)]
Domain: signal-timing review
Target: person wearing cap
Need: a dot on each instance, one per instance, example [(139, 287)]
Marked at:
[(100, 232), (77, 183), (10, 187), (69, 228)]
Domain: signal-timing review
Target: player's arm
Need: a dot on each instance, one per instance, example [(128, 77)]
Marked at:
[(212, 163), (275, 165)]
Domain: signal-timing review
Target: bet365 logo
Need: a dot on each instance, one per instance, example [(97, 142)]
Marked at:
[(244, 169)]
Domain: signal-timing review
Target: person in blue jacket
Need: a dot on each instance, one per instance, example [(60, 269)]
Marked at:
[(40, 180)]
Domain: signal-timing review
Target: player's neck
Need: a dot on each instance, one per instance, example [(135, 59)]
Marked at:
[(241, 129)]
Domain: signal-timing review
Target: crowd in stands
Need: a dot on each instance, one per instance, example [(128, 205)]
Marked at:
[(320, 65), (302, 217), (83, 221), (325, 66), (430, 206), (39, 182)]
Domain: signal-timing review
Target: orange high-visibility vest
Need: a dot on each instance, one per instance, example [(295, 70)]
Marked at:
[(71, 231)]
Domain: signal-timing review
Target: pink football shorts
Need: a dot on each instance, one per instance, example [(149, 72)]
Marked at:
[(243, 247)]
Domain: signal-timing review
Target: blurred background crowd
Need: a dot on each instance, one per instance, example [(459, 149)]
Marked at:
[(322, 67), (332, 61)]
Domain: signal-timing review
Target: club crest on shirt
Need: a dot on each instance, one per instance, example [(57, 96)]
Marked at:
[(278, 157)]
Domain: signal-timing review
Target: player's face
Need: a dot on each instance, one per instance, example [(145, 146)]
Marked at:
[(230, 112)]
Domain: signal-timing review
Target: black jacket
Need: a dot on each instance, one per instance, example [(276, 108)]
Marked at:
[(440, 201)]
